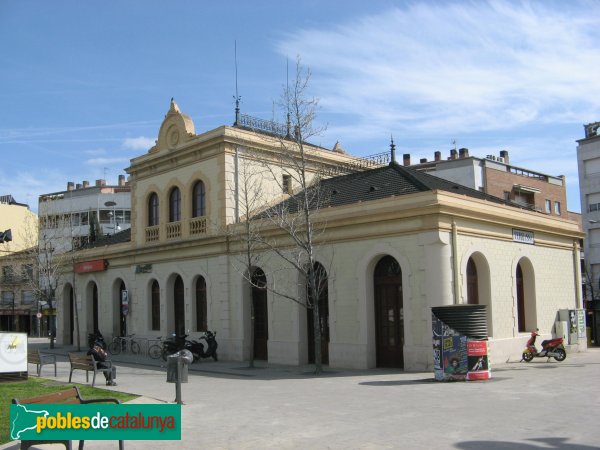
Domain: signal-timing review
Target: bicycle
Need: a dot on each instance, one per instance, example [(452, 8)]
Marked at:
[(122, 343), (155, 351)]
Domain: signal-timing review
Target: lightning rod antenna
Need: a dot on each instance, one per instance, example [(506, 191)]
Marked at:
[(237, 97), (287, 97)]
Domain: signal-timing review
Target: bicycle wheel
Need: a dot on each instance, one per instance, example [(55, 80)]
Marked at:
[(114, 347), (135, 348), (155, 351)]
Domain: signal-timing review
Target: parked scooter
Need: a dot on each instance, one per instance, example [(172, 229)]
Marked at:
[(197, 347), (552, 348)]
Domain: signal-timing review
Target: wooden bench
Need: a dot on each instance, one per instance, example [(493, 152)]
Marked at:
[(83, 361), (70, 395), (40, 359)]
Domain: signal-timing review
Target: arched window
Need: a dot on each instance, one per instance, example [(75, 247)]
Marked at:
[(520, 299), (153, 210), (472, 283), (179, 306), (175, 205), (155, 307), (198, 200), (201, 312)]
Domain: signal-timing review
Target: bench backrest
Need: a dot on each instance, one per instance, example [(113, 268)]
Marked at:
[(33, 356), (70, 395), (81, 361)]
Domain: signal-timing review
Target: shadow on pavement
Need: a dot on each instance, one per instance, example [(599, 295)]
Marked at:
[(549, 443)]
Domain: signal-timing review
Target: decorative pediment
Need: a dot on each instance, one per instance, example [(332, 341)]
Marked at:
[(176, 129)]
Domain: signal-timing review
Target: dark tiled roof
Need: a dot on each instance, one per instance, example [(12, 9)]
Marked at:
[(112, 239), (388, 181)]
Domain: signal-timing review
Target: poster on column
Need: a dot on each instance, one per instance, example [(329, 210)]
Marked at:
[(478, 363), (449, 352)]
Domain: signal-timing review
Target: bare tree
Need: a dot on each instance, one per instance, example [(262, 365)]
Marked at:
[(297, 218), (52, 259), (247, 189)]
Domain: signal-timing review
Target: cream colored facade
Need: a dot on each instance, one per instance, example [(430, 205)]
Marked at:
[(432, 235), (22, 222)]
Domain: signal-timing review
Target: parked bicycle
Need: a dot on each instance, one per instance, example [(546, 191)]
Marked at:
[(155, 351), (122, 344)]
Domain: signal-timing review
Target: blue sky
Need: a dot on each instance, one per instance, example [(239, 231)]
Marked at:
[(84, 86)]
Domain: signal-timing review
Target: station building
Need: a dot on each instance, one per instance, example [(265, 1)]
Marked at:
[(394, 243)]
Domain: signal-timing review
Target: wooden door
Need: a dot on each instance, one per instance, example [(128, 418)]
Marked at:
[(389, 314), (322, 284), (261, 315)]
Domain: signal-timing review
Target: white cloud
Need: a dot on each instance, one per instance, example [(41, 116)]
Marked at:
[(458, 66), (138, 143)]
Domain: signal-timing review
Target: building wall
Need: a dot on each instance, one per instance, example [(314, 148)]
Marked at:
[(425, 255), (500, 181), (588, 152), (430, 234), (467, 172), (23, 224)]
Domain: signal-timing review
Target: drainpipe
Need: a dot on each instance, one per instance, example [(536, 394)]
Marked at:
[(577, 272), (455, 262)]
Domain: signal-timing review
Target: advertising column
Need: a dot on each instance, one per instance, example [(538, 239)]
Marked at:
[(460, 350)]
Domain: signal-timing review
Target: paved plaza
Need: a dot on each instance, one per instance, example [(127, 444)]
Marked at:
[(539, 405)]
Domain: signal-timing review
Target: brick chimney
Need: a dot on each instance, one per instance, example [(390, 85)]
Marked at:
[(100, 183), (463, 153), (78, 186), (453, 154), (406, 159), (86, 184), (504, 155), (70, 186), (121, 180), (423, 160), (438, 156)]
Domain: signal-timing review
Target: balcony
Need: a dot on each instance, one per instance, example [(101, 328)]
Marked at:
[(173, 230), (197, 226), (153, 233)]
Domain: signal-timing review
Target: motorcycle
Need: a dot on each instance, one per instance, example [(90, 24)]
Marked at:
[(197, 347), (551, 348), (173, 345)]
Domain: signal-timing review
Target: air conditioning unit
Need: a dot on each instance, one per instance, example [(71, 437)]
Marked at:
[(492, 157), (500, 159)]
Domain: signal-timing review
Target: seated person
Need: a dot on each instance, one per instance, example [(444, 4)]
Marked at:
[(101, 356)]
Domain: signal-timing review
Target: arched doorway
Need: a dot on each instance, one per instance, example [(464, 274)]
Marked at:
[(323, 293), (179, 306), (389, 313), (261, 322), (472, 283)]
